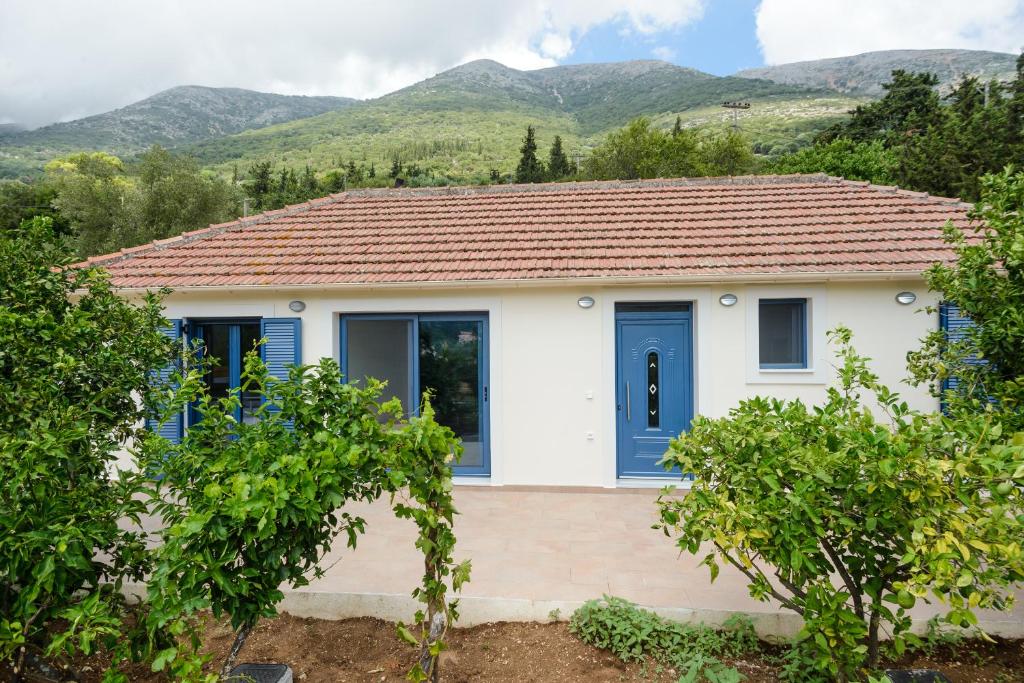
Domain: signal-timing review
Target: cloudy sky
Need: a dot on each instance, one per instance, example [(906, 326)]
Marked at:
[(63, 59)]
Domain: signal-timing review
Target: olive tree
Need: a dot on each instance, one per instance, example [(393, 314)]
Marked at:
[(848, 516), (74, 360)]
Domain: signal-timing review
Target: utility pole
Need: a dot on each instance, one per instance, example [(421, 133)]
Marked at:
[(736, 106)]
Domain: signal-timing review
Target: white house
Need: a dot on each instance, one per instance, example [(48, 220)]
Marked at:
[(568, 330)]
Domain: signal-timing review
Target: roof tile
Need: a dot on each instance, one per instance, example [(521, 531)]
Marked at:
[(665, 228)]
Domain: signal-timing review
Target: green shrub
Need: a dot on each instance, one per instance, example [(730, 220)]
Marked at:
[(635, 635), (849, 519), (842, 157), (250, 506), (987, 284), (74, 358)]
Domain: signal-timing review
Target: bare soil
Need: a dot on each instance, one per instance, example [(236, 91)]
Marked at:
[(368, 650)]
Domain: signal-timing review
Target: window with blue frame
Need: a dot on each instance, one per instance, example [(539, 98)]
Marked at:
[(222, 344), (782, 333), (444, 353), (222, 348)]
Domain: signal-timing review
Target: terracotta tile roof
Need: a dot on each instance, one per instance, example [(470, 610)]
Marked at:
[(699, 229)]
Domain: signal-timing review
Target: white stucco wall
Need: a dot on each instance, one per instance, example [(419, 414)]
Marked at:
[(553, 364)]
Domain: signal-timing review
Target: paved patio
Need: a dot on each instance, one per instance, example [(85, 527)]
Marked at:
[(534, 551)]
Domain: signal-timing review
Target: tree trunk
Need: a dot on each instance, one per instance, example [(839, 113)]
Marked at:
[(436, 622), (873, 648), (229, 661)]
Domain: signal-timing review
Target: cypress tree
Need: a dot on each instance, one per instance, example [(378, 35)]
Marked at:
[(677, 129), (530, 169), (558, 163)]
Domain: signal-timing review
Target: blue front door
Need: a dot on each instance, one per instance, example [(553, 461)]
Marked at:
[(654, 378)]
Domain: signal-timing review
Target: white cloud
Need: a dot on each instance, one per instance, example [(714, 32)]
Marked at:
[(664, 52), (556, 46), (795, 30), (62, 59)]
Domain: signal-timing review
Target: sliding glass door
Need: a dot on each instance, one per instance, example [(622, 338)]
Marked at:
[(443, 353)]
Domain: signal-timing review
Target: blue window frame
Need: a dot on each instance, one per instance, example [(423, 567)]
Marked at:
[(222, 345), (444, 352), (782, 333)]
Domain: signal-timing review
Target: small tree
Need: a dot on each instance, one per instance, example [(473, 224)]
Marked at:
[(987, 284), (396, 168), (425, 452), (530, 169), (842, 157), (259, 184), (74, 359), (247, 507), (848, 520)]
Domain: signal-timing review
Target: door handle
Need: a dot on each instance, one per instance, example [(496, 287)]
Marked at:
[(627, 402)]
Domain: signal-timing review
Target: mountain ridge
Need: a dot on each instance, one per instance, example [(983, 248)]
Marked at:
[(179, 115), (863, 74), (468, 120)]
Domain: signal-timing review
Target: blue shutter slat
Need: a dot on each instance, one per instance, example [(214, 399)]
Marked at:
[(955, 326), (283, 346), (173, 429)]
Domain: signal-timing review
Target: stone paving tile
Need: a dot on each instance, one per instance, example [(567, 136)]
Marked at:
[(549, 546)]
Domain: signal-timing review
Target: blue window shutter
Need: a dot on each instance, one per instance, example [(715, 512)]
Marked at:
[(173, 429), (283, 345), (955, 325)]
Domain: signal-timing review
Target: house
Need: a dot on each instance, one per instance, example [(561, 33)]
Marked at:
[(568, 332)]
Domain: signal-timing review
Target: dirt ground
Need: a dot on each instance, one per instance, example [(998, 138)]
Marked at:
[(367, 650)]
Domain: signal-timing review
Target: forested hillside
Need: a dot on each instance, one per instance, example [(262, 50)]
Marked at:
[(177, 116), (468, 121)]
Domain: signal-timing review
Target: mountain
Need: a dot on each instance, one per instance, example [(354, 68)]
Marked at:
[(468, 120), (864, 74), (181, 115)]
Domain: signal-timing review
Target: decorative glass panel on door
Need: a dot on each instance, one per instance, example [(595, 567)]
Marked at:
[(450, 368), (653, 390)]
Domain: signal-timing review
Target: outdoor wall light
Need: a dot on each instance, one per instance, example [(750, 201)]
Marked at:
[(585, 302), (728, 299), (906, 298), (297, 306)]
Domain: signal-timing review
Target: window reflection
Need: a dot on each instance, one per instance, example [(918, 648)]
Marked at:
[(224, 346), (450, 368)]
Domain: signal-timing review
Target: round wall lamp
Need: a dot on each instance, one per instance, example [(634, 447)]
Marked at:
[(585, 302), (297, 306), (728, 299), (906, 298)]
